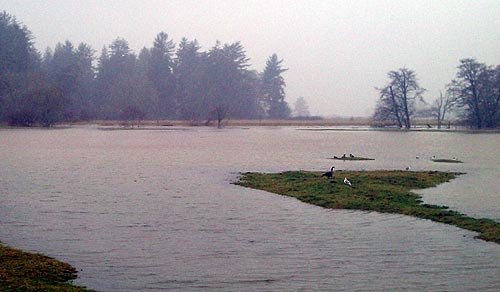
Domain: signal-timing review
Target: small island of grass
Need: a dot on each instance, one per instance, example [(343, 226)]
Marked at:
[(445, 160), (381, 191), (23, 271), (355, 158)]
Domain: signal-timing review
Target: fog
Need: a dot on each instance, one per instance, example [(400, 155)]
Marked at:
[(337, 52)]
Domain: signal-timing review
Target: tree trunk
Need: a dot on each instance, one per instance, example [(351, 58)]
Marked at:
[(396, 108)]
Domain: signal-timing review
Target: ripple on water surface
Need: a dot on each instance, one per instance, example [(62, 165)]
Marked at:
[(153, 210)]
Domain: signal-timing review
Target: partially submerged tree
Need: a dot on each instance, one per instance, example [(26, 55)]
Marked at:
[(442, 106), (477, 89), (397, 98)]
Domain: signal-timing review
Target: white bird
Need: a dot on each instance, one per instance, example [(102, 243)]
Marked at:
[(347, 182)]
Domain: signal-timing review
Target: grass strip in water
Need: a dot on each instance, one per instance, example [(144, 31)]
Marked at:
[(352, 158), (443, 160), (380, 191), (23, 271)]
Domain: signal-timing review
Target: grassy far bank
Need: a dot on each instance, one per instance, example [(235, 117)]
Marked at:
[(381, 191), (23, 271), (313, 124)]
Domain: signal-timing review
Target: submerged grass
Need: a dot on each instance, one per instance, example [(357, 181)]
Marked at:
[(444, 160), (23, 271), (352, 158), (381, 191)]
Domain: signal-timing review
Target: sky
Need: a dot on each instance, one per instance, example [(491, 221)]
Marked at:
[(336, 52)]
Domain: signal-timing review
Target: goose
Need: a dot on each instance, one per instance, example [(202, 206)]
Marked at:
[(329, 173), (347, 182)]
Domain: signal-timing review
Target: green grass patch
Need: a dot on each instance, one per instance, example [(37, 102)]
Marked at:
[(380, 191), (23, 271), (355, 158), (444, 160)]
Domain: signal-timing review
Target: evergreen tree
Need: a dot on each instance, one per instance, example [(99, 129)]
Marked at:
[(273, 89), (189, 81), (18, 58), (226, 70), (160, 73), (115, 68)]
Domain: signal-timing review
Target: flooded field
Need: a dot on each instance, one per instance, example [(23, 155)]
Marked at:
[(155, 210)]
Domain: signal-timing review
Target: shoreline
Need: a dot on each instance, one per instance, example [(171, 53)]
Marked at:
[(335, 124), (26, 271)]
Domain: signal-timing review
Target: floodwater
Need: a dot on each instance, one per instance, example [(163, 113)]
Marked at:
[(155, 210)]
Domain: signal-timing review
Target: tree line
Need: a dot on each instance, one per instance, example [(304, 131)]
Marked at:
[(166, 81), (473, 96)]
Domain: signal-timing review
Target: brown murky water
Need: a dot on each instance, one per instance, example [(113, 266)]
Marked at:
[(156, 211)]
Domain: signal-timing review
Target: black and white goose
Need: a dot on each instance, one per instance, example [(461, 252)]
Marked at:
[(329, 173)]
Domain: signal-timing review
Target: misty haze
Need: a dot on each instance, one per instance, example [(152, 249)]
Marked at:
[(249, 145)]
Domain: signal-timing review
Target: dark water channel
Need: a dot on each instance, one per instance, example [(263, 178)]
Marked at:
[(155, 210)]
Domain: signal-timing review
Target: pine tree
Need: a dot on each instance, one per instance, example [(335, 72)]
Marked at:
[(273, 89)]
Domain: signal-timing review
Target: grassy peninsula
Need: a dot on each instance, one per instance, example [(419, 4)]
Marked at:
[(23, 271), (381, 191)]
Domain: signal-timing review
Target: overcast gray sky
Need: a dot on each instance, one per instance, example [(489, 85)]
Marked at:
[(336, 51)]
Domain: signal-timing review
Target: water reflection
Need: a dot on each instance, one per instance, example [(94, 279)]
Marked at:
[(155, 210)]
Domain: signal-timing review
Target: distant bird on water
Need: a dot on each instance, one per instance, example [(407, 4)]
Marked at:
[(329, 173), (347, 182), (350, 155)]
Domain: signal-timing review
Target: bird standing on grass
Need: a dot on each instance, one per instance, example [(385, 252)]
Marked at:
[(329, 173), (347, 182)]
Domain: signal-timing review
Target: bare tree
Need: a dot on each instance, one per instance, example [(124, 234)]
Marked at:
[(442, 105), (397, 98)]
